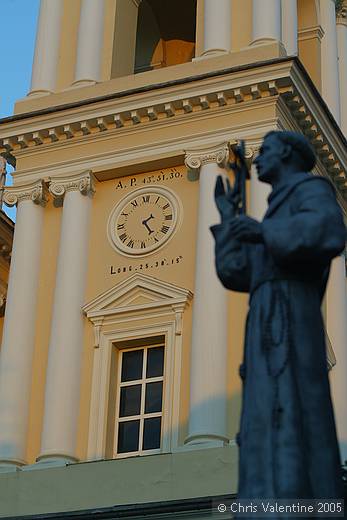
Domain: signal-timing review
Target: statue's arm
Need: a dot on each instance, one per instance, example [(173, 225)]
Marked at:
[(314, 232), (232, 259)]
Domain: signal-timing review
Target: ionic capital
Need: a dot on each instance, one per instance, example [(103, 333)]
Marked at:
[(341, 12), (35, 191), (194, 159), (82, 182)]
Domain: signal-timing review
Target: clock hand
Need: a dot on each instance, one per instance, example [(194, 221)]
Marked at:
[(144, 222)]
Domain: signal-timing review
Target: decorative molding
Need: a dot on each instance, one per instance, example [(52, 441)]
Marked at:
[(146, 307), (136, 116), (316, 31), (82, 182), (123, 298), (221, 95), (195, 159), (311, 129), (35, 191), (341, 12)]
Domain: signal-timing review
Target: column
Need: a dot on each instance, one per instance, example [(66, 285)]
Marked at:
[(266, 21), (58, 441), (208, 390), (341, 25), (18, 341), (124, 41), (217, 24), (90, 43), (45, 65), (330, 72), (290, 26), (336, 323)]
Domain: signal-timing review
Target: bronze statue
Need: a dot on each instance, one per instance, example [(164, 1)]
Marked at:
[(287, 440)]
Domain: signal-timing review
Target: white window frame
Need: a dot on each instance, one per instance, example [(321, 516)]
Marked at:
[(116, 317), (141, 381)]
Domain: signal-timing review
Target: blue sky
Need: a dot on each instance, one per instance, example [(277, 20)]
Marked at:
[(17, 41)]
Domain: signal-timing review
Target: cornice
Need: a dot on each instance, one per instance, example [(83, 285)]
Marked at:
[(197, 99), (35, 191), (82, 182), (316, 31)]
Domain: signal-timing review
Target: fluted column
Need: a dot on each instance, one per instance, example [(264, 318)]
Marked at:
[(18, 342), (290, 26), (266, 21), (208, 391), (58, 441), (330, 72), (336, 323), (90, 42), (341, 25), (217, 24), (45, 65)]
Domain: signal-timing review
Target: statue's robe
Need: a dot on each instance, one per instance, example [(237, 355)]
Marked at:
[(287, 440)]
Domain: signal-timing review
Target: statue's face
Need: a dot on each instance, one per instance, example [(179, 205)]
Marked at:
[(269, 159)]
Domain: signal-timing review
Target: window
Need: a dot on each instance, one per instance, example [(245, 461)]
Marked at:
[(137, 360), (139, 400), (164, 35)]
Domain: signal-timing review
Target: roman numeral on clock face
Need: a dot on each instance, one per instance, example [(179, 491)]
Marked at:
[(146, 198), (121, 226), (123, 237), (166, 206), (168, 217), (134, 203), (164, 229), (130, 243)]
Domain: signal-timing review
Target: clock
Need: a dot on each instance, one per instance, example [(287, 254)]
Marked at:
[(144, 221)]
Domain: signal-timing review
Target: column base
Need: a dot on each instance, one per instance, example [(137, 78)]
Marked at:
[(211, 53), (53, 460), (82, 83), (206, 440), (39, 93), (11, 465)]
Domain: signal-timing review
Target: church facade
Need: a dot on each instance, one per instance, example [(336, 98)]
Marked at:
[(119, 386)]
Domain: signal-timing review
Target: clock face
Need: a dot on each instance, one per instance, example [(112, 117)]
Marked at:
[(143, 221)]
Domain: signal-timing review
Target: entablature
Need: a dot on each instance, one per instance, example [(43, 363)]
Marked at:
[(215, 94)]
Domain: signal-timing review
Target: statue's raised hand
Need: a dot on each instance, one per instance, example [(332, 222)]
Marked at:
[(225, 198)]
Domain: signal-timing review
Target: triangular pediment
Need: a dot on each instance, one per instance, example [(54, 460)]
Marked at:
[(138, 292)]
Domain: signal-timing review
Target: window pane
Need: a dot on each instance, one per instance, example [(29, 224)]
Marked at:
[(132, 365), (151, 433), (128, 436), (130, 400), (155, 362), (154, 394)]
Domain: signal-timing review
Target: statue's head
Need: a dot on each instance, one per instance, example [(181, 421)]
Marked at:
[(288, 152)]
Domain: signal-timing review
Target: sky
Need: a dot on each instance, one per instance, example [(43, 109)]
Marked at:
[(17, 41)]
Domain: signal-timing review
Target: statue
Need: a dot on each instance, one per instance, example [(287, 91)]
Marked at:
[(287, 440)]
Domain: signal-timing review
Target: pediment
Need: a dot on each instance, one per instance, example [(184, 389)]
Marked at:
[(138, 292)]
